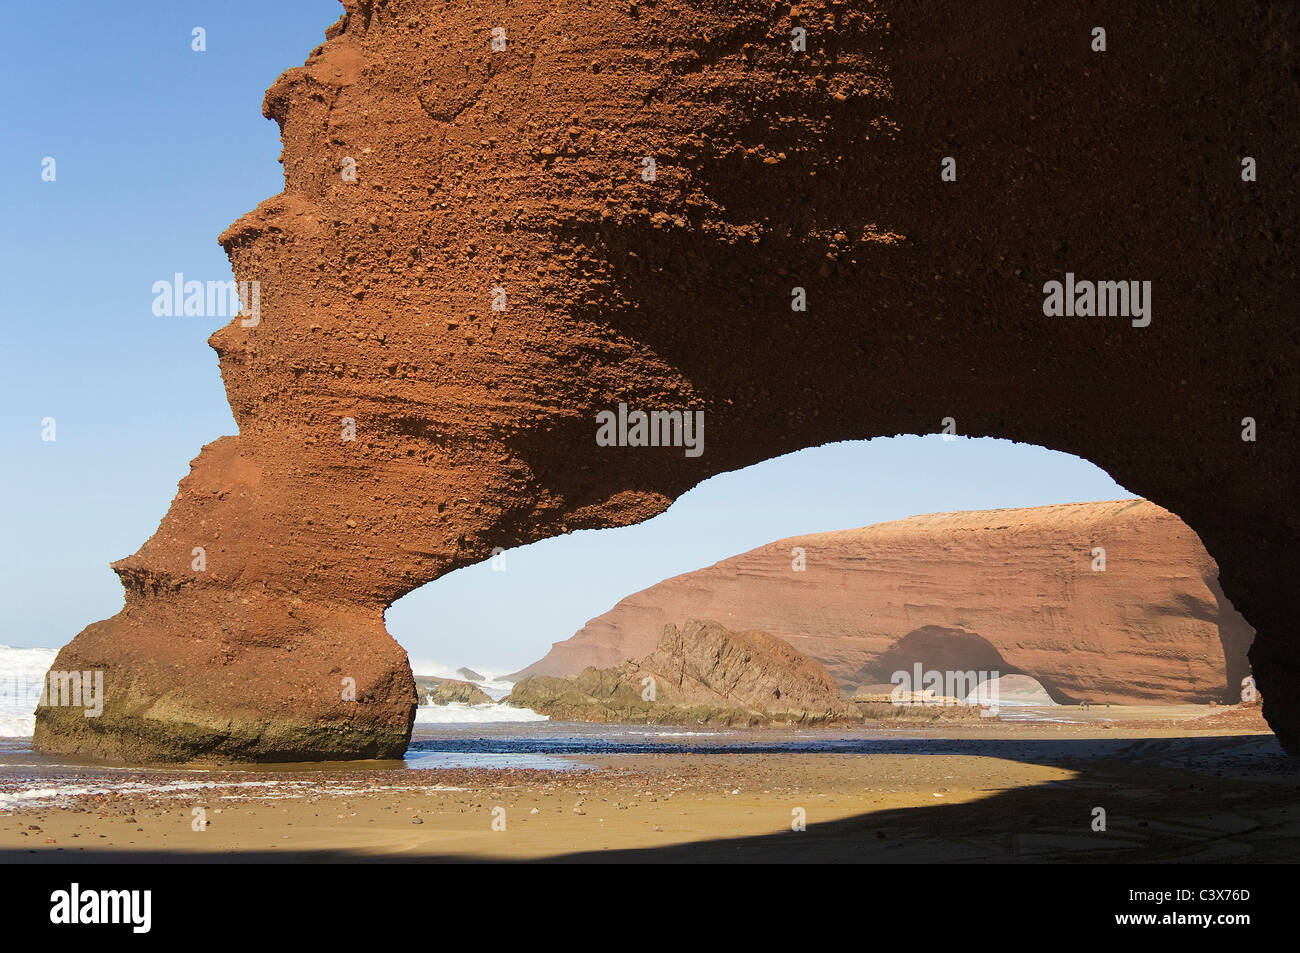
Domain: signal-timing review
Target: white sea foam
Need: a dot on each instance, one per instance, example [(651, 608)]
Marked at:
[(23, 795), (493, 683), (22, 674), (457, 713), (27, 796)]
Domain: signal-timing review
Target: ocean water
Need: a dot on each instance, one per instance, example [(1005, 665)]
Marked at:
[(458, 714), (452, 736), (22, 673), (494, 684)]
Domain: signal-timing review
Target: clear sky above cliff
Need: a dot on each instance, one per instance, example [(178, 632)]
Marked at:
[(157, 148)]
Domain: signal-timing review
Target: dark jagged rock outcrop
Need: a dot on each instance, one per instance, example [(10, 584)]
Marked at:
[(700, 674), (438, 332), (446, 691)]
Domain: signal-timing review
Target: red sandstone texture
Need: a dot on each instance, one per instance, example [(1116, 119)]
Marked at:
[(521, 169), (1000, 590)]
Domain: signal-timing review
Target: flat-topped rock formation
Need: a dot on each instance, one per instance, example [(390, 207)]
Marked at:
[(700, 674), (1013, 591), (503, 219)]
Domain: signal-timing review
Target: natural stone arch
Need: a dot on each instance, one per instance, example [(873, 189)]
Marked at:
[(942, 649), (521, 169)]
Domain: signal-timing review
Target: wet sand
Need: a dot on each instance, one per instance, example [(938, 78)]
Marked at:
[(1175, 785)]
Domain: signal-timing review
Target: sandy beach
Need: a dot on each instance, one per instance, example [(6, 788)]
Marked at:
[(1176, 784)]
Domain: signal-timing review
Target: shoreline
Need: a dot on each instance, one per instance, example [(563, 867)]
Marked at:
[(990, 791)]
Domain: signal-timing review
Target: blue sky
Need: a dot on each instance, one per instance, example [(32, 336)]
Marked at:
[(157, 149)]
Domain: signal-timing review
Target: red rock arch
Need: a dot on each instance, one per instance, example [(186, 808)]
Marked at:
[(521, 169)]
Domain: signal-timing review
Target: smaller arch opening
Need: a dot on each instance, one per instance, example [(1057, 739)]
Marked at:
[(959, 661)]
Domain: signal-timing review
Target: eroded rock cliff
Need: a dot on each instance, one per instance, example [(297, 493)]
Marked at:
[(1014, 591), (394, 425)]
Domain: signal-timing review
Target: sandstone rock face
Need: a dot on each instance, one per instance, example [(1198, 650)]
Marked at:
[(700, 674), (1012, 591), (438, 332)]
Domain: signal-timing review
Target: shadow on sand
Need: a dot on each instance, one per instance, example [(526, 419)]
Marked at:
[(1230, 798)]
